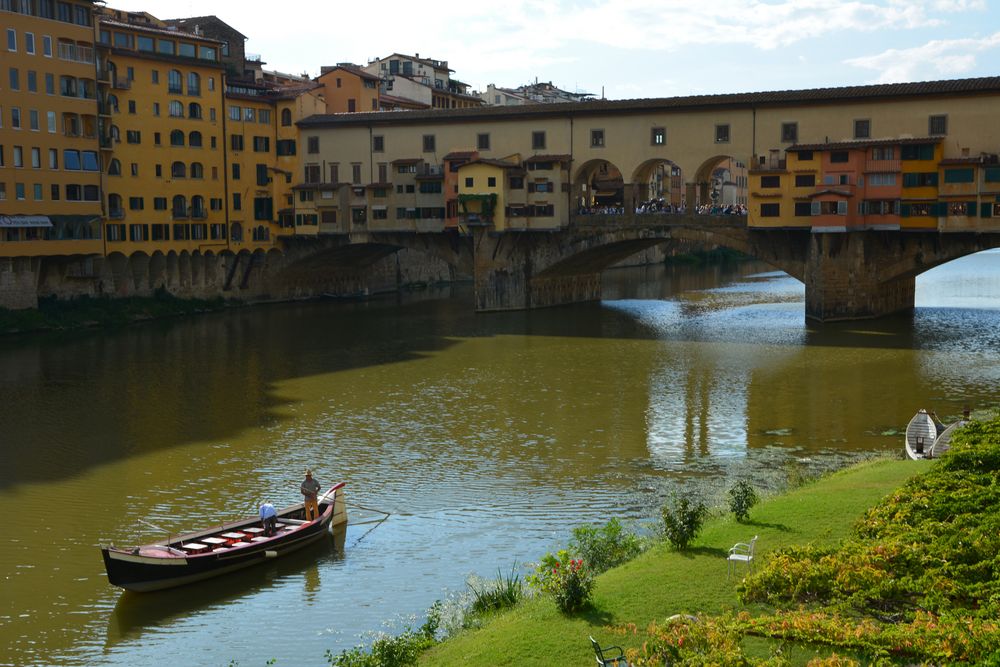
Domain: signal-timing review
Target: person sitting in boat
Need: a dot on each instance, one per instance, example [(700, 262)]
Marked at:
[(268, 517), (309, 488)]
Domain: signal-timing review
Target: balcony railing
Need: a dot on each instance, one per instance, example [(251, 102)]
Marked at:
[(75, 53), (180, 214), (882, 166), (199, 214), (121, 84), (116, 214)]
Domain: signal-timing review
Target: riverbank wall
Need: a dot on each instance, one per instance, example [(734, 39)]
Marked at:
[(248, 277)]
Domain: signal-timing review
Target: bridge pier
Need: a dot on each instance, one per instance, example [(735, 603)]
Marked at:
[(845, 276)]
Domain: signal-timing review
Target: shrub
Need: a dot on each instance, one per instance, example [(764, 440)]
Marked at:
[(388, 651), (502, 593), (742, 497), (607, 546), (569, 581), (682, 520)]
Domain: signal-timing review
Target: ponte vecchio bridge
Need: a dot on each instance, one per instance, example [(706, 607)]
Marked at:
[(854, 191)]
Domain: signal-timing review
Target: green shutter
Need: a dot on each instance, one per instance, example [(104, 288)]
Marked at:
[(904, 210), (970, 209)]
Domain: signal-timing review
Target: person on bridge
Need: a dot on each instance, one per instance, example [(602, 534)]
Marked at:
[(268, 518), (309, 488)]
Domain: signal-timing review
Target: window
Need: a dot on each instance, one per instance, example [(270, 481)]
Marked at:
[(805, 156), (178, 170), (236, 142), (917, 152), (312, 145), (937, 125), (992, 175), (285, 146), (33, 119), (770, 181), (491, 181), (803, 209), (160, 203), (862, 128), (15, 79), (32, 81), (286, 117), (15, 117), (156, 108), (959, 175), (658, 136), (805, 180), (175, 83), (11, 39), (881, 179), (197, 170), (483, 141), (920, 179), (36, 158), (136, 203), (883, 153), (352, 105), (596, 138), (378, 144), (235, 113), (176, 109), (334, 173), (194, 111), (194, 139), (133, 137), (194, 83), (839, 156), (131, 106), (262, 178), (50, 83), (429, 143), (236, 171), (261, 144), (249, 114), (469, 182), (312, 174), (185, 50), (770, 210), (156, 138), (722, 134), (538, 140), (356, 174), (789, 132), (176, 138), (155, 74)]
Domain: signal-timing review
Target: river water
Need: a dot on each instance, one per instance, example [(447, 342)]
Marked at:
[(486, 437)]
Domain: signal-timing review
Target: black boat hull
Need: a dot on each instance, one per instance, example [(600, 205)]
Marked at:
[(135, 570)]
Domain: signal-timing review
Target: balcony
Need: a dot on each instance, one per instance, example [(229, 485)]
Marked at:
[(116, 214), (121, 84), (882, 166), (198, 214), (75, 53), (179, 214)]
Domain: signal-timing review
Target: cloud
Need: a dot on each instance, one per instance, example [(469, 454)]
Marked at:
[(939, 58)]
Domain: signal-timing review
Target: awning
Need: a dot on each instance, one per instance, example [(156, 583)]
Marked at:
[(9, 221)]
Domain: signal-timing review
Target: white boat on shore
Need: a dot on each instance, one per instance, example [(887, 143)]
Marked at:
[(921, 433)]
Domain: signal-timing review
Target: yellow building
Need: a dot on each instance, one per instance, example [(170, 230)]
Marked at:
[(263, 159), (50, 178), (163, 137)]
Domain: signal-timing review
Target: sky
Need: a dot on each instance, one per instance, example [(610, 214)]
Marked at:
[(626, 48)]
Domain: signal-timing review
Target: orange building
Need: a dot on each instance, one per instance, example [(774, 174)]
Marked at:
[(348, 89)]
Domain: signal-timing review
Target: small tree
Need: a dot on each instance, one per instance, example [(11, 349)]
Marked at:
[(742, 497), (607, 546), (682, 520)]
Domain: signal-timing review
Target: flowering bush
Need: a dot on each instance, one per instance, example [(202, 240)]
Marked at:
[(568, 580)]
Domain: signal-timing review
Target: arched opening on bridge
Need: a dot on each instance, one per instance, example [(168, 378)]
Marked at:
[(720, 185), (599, 188), (659, 185)]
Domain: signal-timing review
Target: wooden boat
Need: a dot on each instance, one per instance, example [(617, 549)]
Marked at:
[(920, 435), (942, 443), (232, 546)]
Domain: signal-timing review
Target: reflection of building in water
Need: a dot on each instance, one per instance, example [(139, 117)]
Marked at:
[(697, 410)]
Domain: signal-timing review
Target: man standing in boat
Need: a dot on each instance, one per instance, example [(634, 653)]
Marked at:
[(309, 488)]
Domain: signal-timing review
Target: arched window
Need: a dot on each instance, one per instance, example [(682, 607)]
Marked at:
[(176, 109), (197, 171), (176, 138), (116, 134), (178, 170), (194, 139), (286, 117), (198, 207), (114, 167), (194, 110), (237, 231), (194, 84), (115, 208), (113, 103), (175, 84), (179, 208)]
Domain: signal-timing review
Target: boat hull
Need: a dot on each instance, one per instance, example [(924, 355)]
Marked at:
[(920, 435), (159, 566)]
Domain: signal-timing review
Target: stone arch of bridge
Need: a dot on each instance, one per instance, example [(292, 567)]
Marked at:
[(360, 251), (593, 253), (599, 183)]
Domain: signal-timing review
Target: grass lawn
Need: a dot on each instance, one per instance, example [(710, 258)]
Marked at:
[(663, 582)]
